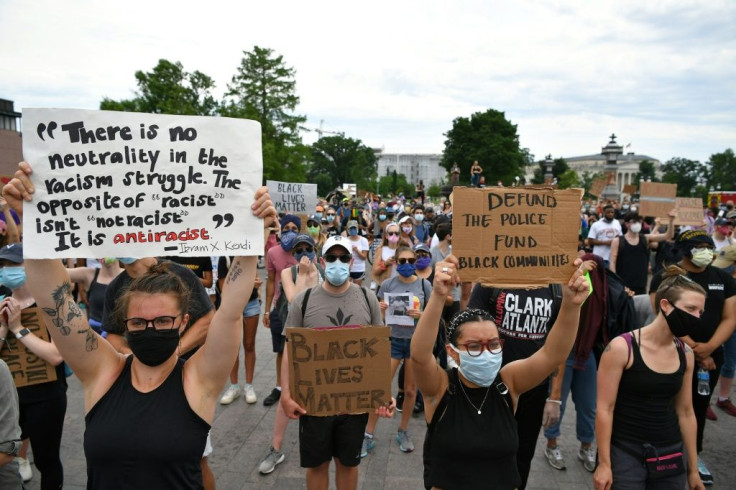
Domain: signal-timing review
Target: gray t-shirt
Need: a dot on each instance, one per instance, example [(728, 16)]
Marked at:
[(9, 428), (326, 309), (421, 288)]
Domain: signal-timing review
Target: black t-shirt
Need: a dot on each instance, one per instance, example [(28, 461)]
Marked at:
[(719, 286), (523, 317), (198, 265), (199, 303)]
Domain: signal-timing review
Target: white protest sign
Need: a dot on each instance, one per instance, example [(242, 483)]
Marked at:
[(124, 184), (293, 198)]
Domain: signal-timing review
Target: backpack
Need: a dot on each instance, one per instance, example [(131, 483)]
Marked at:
[(282, 304), (309, 291), (621, 314)]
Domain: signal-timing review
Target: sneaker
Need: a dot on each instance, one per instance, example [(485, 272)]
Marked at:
[(405, 444), (250, 394), (231, 394), (24, 468), (705, 475), (554, 457), (272, 459), (418, 408), (399, 401), (368, 445), (710, 414), (727, 406), (273, 398), (587, 456)]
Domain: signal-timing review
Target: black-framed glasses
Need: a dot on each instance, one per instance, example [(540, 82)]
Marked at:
[(494, 346), (423, 254), (163, 322), (309, 249), (330, 258), (330, 214), (392, 233), (405, 260)]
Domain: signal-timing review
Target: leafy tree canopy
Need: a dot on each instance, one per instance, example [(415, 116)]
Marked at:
[(722, 170), (685, 173), (559, 167), (395, 183), (343, 160)]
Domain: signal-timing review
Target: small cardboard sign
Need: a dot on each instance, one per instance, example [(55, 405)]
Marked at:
[(596, 188), (25, 366), (656, 199), (293, 198), (629, 189), (125, 184), (689, 211), (515, 237), (339, 370)]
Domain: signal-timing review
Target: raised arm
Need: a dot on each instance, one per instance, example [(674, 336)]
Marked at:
[(11, 229)]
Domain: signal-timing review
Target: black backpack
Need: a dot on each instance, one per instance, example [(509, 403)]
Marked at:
[(621, 315)]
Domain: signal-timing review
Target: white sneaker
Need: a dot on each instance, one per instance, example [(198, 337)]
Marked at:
[(24, 468), (230, 395), (587, 456), (250, 394)]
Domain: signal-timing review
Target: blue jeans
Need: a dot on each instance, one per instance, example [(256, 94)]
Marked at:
[(729, 357), (583, 386)]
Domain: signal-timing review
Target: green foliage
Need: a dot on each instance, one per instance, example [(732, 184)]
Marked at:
[(559, 167), (722, 174), (434, 191), (489, 138), (586, 180), (395, 183), (168, 89), (646, 172), (342, 160), (685, 173), (568, 179)]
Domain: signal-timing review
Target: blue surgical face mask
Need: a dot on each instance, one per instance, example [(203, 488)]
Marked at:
[(127, 260), (419, 218), (406, 270), (330, 218), (287, 240), (12, 277), (353, 232), (318, 215), (309, 255), (382, 217), (480, 370), (337, 273)]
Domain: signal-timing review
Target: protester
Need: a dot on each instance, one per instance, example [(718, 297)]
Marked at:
[(315, 231), (359, 250), (10, 441), (644, 400), (471, 443), (331, 226), (94, 280), (421, 229), (475, 174), (147, 414), (602, 233), (407, 237), (383, 264), (723, 233), (201, 266), (725, 260)]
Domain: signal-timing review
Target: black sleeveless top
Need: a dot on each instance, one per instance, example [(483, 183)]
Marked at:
[(465, 450), (645, 403), (96, 298), (632, 263), (137, 440)]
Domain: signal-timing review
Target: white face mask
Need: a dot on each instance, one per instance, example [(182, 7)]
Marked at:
[(635, 227), (701, 257)]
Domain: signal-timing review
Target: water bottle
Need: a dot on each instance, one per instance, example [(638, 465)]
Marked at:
[(703, 382)]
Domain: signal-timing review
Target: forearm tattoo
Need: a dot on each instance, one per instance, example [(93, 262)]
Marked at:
[(65, 309), (235, 271)]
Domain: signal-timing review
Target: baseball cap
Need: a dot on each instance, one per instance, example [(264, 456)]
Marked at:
[(352, 223), (336, 241), (405, 219), (303, 239), (723, 221), (313, 219), (12, 252), (725, 257), (421, 247)]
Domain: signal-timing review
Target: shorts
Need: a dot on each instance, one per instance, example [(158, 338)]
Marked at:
[(335, 436), (400, 348), (277, 328), (207, 446), (253, 308), (357, 275)]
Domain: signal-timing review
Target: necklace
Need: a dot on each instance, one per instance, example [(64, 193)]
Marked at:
[(468, 398)]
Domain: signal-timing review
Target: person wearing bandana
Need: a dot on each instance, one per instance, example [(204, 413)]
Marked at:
[(695, 251)]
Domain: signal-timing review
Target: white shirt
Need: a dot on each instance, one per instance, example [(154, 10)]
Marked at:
[(603, 231)]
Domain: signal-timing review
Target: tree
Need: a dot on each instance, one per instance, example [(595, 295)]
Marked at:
[(342, 160), (722, 174), (559, 167), (434, 191), (646, 172), (264, 89), (168, 89), (568, 179), (395, 183), (489, 138), (683, 172), (587, 179)]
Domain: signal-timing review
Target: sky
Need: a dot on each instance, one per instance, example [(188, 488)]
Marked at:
[(661, 75)]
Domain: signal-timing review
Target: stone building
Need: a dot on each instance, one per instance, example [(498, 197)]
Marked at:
[(415, 167), (11, 146)]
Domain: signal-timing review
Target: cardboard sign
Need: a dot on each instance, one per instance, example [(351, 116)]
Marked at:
[(293, 198), (629, 189), (689, 211), (656, 199), (124, 184), (25, 366), (596, 188), (515, 237), (339, 370)]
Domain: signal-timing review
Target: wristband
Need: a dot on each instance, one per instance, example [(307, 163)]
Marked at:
[(549, 400), (22, 333)]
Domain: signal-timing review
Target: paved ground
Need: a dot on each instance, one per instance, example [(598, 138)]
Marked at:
[(242, 433)]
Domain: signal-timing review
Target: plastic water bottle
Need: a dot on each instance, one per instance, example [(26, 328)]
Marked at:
[(703, 382)]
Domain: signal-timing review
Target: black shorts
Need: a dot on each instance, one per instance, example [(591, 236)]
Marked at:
[(277, 329), (338, 436)]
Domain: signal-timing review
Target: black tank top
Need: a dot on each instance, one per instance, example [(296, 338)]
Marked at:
[(96, 298), (632, 263), (137, 440), (464, 450), (645, 404)]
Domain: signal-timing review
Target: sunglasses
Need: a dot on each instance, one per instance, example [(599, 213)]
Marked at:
[(330, 214), (404, 261), (393, 233), (330, 258), (309, 249)]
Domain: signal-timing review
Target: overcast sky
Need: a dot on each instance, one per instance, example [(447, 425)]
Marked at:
[(660, 74)]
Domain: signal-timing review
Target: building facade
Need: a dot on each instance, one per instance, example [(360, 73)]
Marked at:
[(414, 166), (627, 166), (11, 145)]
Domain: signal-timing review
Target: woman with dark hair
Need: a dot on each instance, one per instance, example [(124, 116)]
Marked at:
[(147, 414), (644, 407), (472, 439)]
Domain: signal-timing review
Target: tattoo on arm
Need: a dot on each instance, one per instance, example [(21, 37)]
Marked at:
[(235, 271), (90, 341), (608, 347), (555, 373), (62, 295)]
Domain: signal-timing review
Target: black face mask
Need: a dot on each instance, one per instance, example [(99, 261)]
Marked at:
[(152, 347), (681, 323)]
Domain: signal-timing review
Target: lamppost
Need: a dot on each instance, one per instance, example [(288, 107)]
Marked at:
[(611, 151), (548, 169)]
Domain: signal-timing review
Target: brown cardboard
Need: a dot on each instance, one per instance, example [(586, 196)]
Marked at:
[(25, 366), (629, 189), (512, 237), (339, 370), (596, 188), (689, 211), (656, 199)]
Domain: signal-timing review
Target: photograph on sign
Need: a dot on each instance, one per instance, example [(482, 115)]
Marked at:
[(689, 211), (656, 199), (25, 366), (506, 236), (293, 198), (113, 184), (397, 312), (339, 370)]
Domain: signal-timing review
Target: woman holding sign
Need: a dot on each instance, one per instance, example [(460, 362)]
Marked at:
[(472, 439), (147, 414)]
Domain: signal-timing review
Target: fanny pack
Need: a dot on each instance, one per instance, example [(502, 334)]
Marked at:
[(663, 465)]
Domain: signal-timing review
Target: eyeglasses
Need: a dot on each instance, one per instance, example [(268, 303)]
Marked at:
[(158, 323), (405, 260), (423, 254), (392, 233), (330, 258), (330, 214), (309, 249), (494, 346)]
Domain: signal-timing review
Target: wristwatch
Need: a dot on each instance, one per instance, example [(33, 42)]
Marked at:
[(11, 447), (22, 333)]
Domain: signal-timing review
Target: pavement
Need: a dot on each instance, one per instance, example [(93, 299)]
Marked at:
[(241, 436)]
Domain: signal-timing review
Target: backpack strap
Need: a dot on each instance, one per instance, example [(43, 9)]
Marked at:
[(94, 280), (424, 290), (627, 338), (305, 301)]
